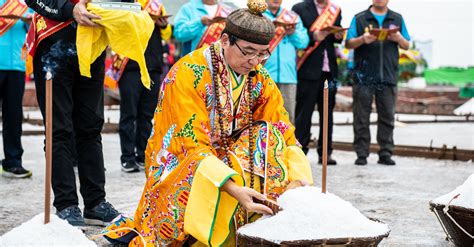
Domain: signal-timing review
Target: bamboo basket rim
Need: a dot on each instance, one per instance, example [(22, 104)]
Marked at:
[(322, 241), (325, 241), (453, 220), (460, 208)]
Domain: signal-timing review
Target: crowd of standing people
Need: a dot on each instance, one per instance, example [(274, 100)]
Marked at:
[(276, 61)]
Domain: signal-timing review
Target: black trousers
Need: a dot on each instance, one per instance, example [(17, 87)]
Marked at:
[(308, 94), (12, 87), (78, 113), (137, 106), (385, 101)]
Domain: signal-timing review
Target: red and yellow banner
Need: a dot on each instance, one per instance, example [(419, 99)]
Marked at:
[(114, 71), (11, 8), (214, 31), (41, 28), (154, 7), (286, 17), (326, 18)]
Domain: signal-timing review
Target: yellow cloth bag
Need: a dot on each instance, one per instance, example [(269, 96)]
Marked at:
[(126, 32)]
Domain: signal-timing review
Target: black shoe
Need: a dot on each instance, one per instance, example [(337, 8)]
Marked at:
[(130, 166), (16, 172), (72, 215), (141, 165), (386, 160), (361, 161), (331, 161), (100, 215)]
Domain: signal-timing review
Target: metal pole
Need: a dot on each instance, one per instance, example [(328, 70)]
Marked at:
[(49, 146), (325, 135)]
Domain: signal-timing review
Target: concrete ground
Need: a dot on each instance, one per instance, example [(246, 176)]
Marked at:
[(397, 195)]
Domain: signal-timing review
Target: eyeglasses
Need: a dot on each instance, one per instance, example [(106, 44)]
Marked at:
[(250, 56)]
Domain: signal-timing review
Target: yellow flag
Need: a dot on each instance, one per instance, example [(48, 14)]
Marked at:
[(126, 32)]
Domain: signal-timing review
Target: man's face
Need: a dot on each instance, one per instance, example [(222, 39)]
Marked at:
[(209, 2), (274, 4), (243, 56), (380, 3)]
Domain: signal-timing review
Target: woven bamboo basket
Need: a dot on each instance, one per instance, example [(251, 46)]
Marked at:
[(355, 242), (459, 226)]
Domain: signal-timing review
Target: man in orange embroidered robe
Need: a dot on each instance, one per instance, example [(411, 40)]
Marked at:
[(215, 105)]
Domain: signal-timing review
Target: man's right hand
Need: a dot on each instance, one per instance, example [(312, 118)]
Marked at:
[(206, 21), (82, 16), (290, 29), (320, 35), (368, 38), (245, 197)]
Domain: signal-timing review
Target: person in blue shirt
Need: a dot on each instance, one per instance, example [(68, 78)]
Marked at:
[(376, 75), (12, 87), (191, 22), (282, 63)]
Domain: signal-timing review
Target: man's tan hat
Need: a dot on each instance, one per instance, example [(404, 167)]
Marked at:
[(250, 25)]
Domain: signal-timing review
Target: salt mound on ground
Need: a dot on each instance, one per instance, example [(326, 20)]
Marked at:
[(56, 233), (465, 198), (309, 214)]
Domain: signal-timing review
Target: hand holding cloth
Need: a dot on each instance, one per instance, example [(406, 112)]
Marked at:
[(126, 32)]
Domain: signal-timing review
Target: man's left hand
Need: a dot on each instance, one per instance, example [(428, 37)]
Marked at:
[(296, 184), (162, 22), (339, 35), (395, 37)]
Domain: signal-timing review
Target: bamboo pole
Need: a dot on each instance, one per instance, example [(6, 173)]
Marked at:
[(325, 135), (49, 146)]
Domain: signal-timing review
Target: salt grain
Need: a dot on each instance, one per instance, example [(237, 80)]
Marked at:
[(465, 192), (35, 233), (309, 214)]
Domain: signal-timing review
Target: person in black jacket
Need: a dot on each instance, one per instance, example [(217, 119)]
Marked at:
[(320, 66), (376, 70), (137, 104), (78, 107)]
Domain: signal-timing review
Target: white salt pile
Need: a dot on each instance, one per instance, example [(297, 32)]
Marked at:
[(465, 192), (309, 214), (35, 233)]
